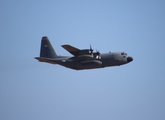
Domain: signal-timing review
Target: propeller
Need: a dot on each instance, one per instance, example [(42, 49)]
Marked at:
[(91, 50), (98, 55), (97, 52)]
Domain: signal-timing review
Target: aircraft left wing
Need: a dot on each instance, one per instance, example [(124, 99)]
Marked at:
[(73, 50)]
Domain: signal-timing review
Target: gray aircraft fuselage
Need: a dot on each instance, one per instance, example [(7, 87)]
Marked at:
[(83, 60)]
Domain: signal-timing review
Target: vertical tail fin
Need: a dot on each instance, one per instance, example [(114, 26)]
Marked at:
[(47, 50)]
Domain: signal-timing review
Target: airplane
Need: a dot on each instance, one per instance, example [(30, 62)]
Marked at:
[(82, 58)]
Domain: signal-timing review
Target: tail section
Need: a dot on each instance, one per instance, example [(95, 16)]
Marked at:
[(47, 50)]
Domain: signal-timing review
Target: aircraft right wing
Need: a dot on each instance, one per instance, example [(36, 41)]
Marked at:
[(73, 50)]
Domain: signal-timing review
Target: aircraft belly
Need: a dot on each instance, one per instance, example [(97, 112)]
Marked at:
[(90, 64)]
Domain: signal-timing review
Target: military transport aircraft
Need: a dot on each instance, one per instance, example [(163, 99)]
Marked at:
[(81, 59)]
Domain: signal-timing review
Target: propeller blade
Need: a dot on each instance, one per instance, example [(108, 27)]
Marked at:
[(90, 50), (97, 52)]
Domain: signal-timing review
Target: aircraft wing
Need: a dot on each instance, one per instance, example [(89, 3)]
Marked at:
[(73, 50)]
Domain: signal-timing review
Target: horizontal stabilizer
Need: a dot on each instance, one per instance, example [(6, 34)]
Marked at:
[(48, 60)]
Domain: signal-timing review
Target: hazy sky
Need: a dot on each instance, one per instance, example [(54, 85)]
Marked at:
[(30, 90)]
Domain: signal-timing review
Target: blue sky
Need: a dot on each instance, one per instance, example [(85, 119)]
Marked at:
[(30, 90)]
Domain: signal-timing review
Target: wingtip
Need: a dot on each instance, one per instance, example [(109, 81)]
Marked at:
[(45, 38), (64, 45)]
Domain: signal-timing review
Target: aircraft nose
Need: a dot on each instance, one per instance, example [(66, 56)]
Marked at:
[(129, 59)]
